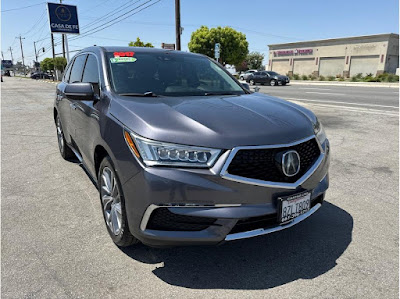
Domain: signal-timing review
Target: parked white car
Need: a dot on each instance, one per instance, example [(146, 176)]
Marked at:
[(244, 75)]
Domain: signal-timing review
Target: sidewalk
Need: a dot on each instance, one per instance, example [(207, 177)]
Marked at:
[(346, 83)]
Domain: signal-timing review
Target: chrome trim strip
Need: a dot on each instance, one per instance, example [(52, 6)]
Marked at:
[(152, 207), (224, 172), (262, 231)]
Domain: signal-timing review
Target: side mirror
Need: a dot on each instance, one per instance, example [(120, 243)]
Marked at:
[(80, 91), (246, 86)]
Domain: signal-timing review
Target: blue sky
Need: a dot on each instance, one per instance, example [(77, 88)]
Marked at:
[(263, 22)]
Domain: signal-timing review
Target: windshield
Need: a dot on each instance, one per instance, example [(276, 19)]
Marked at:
[(168, 74)]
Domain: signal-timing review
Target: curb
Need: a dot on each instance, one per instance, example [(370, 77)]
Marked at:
[(354, 84)]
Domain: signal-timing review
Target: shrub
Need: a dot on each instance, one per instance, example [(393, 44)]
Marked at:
[(331, 78), (322, 78), (296, 76), (359, 76), (304, 77), (341, 78), (354, 79)]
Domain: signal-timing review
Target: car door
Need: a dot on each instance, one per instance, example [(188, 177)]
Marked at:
[(63, 104), (256, 77), (75, 77), (85, 114), (265, 77)]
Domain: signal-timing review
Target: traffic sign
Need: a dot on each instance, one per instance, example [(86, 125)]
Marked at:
[(216, 50)]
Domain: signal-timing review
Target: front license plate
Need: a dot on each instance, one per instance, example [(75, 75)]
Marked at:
[(294, 206)]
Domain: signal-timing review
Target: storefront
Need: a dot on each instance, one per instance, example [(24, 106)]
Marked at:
[(371, 54)]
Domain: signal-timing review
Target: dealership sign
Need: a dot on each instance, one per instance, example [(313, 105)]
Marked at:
[(63, 18), (293, 52), (6, 64)]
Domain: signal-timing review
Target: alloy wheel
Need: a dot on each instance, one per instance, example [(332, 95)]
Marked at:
[(60, 135), (252, 82), (111, 200), (273, 83)]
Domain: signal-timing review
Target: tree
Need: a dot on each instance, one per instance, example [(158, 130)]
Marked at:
[(234, 46), (60, 63), (254, 60), (139, 43), (47, 64)]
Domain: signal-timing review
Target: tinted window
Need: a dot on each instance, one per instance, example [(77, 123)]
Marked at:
[(76, 72), (169, 74), (273, 73), (91, 72), (67, 72)]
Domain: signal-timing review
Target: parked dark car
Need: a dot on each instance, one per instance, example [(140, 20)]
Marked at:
[(7, 73), (40, 76), (182, 153), (267, 77)]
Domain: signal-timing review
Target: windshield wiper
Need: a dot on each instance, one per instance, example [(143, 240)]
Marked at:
[(220, 94), (136, 94)]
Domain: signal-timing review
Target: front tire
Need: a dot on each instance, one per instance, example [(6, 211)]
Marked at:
[(241, 78), (113, 204), (252, 82), (273, 83), (65, 151)]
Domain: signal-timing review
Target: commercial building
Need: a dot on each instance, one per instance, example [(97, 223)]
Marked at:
[(349, 56)]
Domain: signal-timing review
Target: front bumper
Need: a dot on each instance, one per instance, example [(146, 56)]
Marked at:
[(218, 205)]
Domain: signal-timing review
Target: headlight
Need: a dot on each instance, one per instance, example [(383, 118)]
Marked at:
[(169, 154), (319, 132)]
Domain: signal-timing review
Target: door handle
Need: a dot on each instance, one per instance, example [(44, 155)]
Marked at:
[(73, 106)]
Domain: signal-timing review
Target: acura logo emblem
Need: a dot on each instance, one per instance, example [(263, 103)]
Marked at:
[(290, 163)]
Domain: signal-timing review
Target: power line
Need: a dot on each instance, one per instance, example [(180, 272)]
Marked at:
[(22, 7), (117, 21), (111, 13), (36, 23)]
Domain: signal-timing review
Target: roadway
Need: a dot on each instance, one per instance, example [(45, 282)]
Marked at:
[(55, 245)]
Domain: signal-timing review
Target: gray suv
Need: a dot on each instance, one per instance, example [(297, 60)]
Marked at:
[(182, 153)]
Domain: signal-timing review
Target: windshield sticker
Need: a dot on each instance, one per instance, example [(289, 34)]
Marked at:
[(124, 54), (122, 59)]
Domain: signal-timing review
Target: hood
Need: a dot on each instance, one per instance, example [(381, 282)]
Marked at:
[(281, 77), (215, 121)]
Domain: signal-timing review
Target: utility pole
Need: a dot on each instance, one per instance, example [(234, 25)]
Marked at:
[(54, 56), (12, 58), (22, 53), (34, 47), (63, 43), (178, 24), (63, 36), (2, 54)]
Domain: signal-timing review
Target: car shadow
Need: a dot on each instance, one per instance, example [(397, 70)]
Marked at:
[(304, 251)]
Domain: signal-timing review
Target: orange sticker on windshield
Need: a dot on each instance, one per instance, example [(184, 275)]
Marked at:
[(124, 54)]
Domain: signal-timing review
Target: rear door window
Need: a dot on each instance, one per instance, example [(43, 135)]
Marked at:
[(77, 68)]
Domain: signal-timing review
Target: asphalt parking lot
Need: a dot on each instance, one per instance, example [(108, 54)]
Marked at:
[(55, 244)]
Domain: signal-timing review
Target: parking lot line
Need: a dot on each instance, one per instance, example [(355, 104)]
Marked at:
[(330, 93), (347, 103)]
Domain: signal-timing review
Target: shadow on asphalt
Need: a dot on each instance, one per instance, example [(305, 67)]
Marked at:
[(304, 251)]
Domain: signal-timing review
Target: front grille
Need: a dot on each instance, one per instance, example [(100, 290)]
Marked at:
[(163, 219), (261, 164)]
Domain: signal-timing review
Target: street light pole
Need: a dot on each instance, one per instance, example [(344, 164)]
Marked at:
[(178, 24)]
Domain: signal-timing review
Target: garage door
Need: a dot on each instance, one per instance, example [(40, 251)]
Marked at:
[(364, 65), (331, 66), (304, 66), (281, 66)]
